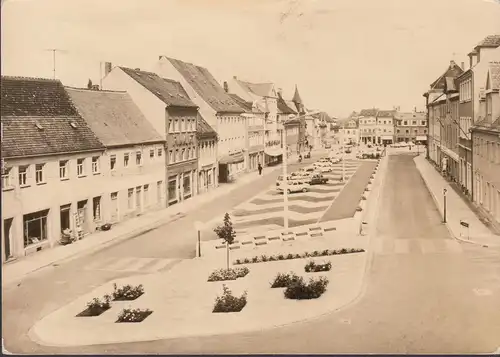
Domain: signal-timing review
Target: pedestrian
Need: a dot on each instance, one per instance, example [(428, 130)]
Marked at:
[(259, 167)]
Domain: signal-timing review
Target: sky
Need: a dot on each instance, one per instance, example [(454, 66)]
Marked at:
[(344, 55)]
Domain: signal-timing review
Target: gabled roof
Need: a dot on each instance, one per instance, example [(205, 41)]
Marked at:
[(296, 96), (168, 91), (206, 86), (494, 74), (22, 96), (204, 130), (38, 118), (283, 107), (453, 71), (247, 106), (368, 112), (260, 89), (489, 41), (113, 117), (386, 113)]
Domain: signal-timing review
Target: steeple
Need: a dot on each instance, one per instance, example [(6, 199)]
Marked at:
[(296, 97)]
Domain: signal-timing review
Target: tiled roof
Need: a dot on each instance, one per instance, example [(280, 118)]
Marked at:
[(168, 91), (206, 86), (386, 113), (23, 96), (204, 130), (368, 112), (410, 116), (490, 41), (38, 136), (113, 117), (247, 106), (260, 89), (495, 75), (284, 108)]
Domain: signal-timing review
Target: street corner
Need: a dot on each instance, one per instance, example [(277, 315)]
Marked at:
[(183, 297)]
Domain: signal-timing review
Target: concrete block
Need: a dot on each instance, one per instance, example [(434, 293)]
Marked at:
[(261, 243), (315, 229), (301, 234), (274, 238), (220, 246), (259, 237), (247, 242), (233, 247), (316, 235), (288, 239), (330, 229)]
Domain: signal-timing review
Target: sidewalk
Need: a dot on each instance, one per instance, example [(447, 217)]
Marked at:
[(456, 209), (18, 269)]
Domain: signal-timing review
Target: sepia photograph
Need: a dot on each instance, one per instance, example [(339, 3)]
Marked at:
[(250, 177)]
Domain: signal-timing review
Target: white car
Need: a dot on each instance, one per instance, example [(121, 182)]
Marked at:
[(323, 167), (335, 160), (295, 186)]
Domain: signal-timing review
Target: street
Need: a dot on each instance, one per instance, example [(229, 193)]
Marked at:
[(424, 293)]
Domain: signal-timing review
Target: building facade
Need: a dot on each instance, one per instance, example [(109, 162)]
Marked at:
[(168, 108), (348, 131), (297, 104), (51, 174), (466, 118), (368, 126), (290, 125), (207, 156), (385, 127), (133, 166), (410, 128), (486, 147), (218, 109)]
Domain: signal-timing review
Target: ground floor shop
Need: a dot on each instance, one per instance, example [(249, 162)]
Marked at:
[(231, 166), (207, 178), (182, 181), (255, 157), (466, 174), (273, 155)]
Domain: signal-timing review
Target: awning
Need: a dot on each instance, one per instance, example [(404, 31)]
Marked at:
[(273, 151), (255, 149), (421, 137), (387, 137), (232, 159)]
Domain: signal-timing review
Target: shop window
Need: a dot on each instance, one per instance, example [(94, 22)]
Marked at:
[(187, 185), (172, 191), (159, 191), (130, 198), (35, 227), (96, 208), (146, 195)]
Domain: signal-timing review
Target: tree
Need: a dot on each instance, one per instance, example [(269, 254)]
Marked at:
[(227, 233), (89, 84)]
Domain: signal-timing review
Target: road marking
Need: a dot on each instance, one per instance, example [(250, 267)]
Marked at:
[(427, 246), (379, 246), (401, 246), (482, 292)]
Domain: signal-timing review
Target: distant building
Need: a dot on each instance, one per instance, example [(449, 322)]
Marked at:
[(348, 130), (385, 127), (207, 156), (51, 173), (368, 125), (410, 128), (291, 125), (217, 108), (169, 109)]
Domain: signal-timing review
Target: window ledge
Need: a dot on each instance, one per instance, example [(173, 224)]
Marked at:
[(96, 173), (64, 178), (80, 176), (8, 188), (41, 183), (24, 186)]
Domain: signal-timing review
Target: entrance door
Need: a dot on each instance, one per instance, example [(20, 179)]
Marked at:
[(7, 225), (138, 198), (114, 206), (65, 217), (82, 216)]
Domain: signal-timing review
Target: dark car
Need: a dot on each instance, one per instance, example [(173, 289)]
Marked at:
[(318, 179), (348, 150)]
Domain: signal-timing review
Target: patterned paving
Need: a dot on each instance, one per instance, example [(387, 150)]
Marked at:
[(132, 264), (266, 210)]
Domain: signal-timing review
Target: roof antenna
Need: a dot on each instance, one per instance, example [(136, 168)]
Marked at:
[(54, 50)]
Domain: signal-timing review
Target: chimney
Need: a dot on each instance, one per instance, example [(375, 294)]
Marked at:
[(463, 66), (137, 69), (226, 88), (107, 68), (235, 77), (452, 64)]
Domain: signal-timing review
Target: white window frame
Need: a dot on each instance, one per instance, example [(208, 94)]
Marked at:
[(95, 165), (6, 178), (112, 159), (23, 175), (39, 174), (138, 158), (64, 169), (80, 167), (126, 159)]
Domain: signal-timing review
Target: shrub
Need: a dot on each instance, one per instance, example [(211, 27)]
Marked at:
[(255, 259), (343, 251), (246, 261), (228, 274), (298, 256), (290, 256), (367, 189), (127, 292), (325, 252), (264, 258), (282, 280), (281, 257), (96, 306), (272, 258), (315, 253), (237, 262), (133, 315), (307, 255), (363, 198), (312, 267), (359, 209), (228, 302), (299, 290)]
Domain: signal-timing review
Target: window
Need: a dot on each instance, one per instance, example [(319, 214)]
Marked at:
[(146, 195), (63, 169), (125, 159), (95, 164), (171, 126), (171, 157), (160, 152), (407, 131), (178, 154), (130, 197), (151, 153), (405, 122), (112, 162), (138, 158), (35, 227), (159, 191), (23, 175), (424, 123), (80, 167), (172, 190), (39, 173), (96, 208), (183, 154), (6, 177), (413, 122)]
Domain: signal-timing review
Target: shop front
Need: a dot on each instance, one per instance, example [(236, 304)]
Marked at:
[(273, 156), (182, 181), (255, 157), (421, 140), (207, 178), (387, 139), (230, 166)]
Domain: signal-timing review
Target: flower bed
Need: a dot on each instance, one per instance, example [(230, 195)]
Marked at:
[(127, 292), (282, 280), (316, 253), (96, 307), (300, 290), (359, 209), (228, 274), (133, 315), (228, 302), (312, 267)]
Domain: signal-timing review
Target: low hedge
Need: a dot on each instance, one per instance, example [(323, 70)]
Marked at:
[(316, 253), (299, 290), (228, 274), (313, 267), (282, 280)]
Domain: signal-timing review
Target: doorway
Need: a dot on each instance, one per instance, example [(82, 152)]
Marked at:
[(114, 206), (7, 225), (65, 217), (81, 217)]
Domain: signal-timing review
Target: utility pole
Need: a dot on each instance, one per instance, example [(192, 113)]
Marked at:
[(54, 50)]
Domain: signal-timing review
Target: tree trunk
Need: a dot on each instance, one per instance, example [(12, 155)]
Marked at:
[(227, 255)]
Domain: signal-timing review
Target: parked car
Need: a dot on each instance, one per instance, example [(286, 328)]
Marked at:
[(348, 150), (323, 167), (335, 160), (308, 170), (328, 146), (295, 186), (318, 179)]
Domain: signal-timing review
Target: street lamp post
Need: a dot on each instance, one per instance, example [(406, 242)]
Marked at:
[(343, 152), (444, 205), (199, 227)]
